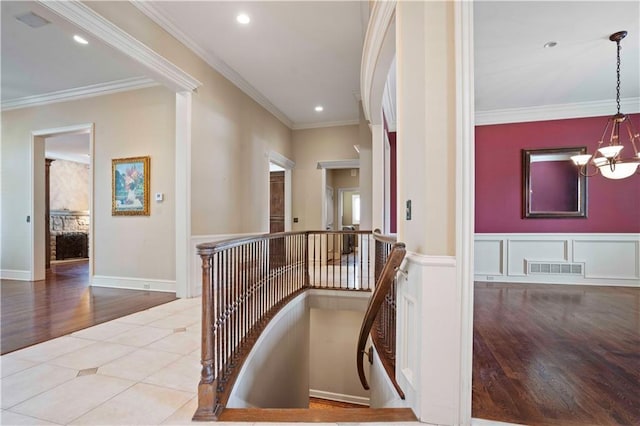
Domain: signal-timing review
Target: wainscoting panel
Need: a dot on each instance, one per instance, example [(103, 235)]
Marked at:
[(608, 258), (599, 259), (489, 256)]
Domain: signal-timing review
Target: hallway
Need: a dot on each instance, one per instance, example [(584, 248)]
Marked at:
[(34, 312)]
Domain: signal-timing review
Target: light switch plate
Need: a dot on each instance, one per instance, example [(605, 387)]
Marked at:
[(159, 196)]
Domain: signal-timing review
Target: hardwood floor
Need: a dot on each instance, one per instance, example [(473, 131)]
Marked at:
[(556, 355), (33, 312)]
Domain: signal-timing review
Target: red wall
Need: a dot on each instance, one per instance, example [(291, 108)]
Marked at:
[(612, 205)]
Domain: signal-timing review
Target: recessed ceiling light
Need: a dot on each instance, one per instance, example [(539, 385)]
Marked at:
[(319, 108), (243, 18), (80, 39), (550, 44)]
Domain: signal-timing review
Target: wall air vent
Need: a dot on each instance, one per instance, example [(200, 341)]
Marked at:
[(32, 20), (546, 268)]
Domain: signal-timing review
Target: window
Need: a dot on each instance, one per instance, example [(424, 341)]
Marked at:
[(355, 209)]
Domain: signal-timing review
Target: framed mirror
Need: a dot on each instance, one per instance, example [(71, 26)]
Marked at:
[(552, 186)]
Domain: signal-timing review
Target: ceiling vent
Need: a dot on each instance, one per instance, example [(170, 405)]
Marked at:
[(32, 20)]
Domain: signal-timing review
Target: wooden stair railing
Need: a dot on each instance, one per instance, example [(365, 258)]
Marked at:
[(245, 283), (381, 311)]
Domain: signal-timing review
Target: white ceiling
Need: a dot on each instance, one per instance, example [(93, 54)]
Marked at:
[(514, 70), (39, 61), (70, 147), (295, 55)]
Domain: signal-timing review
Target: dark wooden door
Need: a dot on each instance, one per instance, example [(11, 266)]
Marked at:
[(276, 210), (276, 219)]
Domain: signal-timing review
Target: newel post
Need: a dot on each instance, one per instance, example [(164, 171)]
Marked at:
[(208, 408)]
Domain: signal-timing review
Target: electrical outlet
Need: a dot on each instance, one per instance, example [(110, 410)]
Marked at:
[(489, 278), (147, 286)]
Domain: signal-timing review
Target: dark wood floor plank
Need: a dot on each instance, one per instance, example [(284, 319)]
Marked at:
[(556, 354), (33, 312)]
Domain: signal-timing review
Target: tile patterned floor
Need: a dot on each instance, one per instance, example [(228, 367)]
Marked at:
[(142, 369)]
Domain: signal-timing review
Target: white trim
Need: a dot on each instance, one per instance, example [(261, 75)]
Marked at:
[(99, 89), (556, 112), (303, 126), (339, 164), (146, 284), (280, 160), (11, 274), (427, 260), (380, 20), (215, 62), (183, 193), (96, 25), (465, 198), (333, 396)]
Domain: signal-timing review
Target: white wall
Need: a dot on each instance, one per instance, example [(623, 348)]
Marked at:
[(600, 259)]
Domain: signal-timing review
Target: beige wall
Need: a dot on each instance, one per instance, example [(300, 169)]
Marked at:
[(231, 134), (69, 186), (128, 124), (334, 338), (309, 147)]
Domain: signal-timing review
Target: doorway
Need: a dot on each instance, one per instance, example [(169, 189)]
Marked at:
[(67, 212), (72, 148)]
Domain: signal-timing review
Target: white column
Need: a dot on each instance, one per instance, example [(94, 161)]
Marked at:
[(433, 307), (184, 286)]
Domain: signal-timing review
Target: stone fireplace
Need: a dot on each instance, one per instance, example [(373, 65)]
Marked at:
[(69, 234)]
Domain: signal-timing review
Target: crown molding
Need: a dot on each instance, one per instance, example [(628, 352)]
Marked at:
[(214, 61), (382, 13), (304, 126), (101, 28), (79, 93), (556, 112)]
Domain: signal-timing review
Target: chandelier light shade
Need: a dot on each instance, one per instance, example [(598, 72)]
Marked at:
[(611, 159)]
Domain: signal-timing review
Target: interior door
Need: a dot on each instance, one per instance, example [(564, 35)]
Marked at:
[(276, 218)]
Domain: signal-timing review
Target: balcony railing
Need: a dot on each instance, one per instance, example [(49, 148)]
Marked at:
[(245, 282)]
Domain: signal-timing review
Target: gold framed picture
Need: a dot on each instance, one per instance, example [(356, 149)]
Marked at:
[(130, 186)]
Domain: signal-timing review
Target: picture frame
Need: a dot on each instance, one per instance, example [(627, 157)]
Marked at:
[(130, 186)]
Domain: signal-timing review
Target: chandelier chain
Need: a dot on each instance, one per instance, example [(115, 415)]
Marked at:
[(618, 76)]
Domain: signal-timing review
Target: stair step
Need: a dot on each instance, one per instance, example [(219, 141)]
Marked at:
[(317, 415)]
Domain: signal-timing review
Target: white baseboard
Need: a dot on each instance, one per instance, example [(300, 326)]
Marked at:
[(134, 283), (11, 274), (332, 396)]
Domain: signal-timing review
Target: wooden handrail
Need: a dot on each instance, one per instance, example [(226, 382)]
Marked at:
[(245, 283), (383, 285)]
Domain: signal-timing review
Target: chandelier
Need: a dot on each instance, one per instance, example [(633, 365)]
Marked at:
[(608, 159)]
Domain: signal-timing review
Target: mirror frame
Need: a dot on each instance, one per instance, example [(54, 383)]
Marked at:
[(526, 185)]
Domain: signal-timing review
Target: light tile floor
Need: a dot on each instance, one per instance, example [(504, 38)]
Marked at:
[(142, 369)]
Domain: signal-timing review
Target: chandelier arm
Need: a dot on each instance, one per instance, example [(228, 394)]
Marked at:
[(633, 135), (583, 170)]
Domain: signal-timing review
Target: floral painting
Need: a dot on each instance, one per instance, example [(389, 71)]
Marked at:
[(130, 186)]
